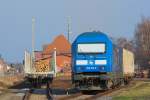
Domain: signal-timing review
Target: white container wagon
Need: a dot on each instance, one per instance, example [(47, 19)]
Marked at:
[(128, 65)]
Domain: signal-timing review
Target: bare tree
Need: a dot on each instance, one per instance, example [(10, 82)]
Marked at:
[(142, 39), (127, 44)]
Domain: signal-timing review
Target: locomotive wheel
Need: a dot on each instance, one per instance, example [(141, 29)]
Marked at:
[(122, 82), (109, 84)]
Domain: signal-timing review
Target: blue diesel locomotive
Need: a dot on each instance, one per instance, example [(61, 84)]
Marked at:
[(96, 62)]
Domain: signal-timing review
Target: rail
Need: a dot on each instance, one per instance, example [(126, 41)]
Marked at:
[(49, 92), (28, 94), (47, 89)]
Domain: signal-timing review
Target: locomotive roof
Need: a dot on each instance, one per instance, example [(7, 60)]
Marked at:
[(95, 36), (92, 34)]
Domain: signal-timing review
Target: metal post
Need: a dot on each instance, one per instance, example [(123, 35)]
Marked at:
[(68, 27), (33, 37), (33, 44)]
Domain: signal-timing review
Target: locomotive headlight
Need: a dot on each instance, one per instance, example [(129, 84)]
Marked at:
[(100, 62), (81, 62)]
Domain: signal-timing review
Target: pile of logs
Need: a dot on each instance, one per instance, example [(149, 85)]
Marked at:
[(42, 65)]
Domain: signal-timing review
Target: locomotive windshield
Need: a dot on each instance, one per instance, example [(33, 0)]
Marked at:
[(92, 48)]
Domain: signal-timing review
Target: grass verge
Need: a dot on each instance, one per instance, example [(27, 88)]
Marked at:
[(140, 91)]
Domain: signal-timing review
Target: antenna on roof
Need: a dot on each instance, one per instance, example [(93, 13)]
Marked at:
[(68, 27), (33, 36)]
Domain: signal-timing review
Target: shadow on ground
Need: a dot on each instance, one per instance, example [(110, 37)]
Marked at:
[(24, 85)]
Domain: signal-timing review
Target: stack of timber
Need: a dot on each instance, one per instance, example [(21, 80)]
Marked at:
[(42, 65)]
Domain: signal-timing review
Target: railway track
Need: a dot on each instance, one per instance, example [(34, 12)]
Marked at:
[(48, 94), (105, 93), (90, 96), (71, 96), (94, 95), (28, 94)]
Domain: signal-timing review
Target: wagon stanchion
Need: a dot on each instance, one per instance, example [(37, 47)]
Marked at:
[(49, 92)]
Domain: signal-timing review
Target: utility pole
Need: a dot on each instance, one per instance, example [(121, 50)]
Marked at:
[(33, 37), (55, 62), (68, 27)]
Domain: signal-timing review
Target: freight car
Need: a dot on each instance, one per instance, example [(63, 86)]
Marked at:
[(99, 64), (41, 71)]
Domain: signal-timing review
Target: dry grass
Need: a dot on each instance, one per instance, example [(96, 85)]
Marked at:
[(8, 81), (62, 84), (140, 91)]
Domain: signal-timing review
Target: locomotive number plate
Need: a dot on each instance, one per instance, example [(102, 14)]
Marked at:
[(91, 68)]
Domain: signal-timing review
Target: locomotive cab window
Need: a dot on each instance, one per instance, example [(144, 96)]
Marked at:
[(92, 48)]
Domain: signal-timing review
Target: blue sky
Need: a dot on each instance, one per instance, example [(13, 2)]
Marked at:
[(114, 17)]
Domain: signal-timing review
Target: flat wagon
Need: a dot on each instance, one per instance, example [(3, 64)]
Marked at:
[(38, 71)]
